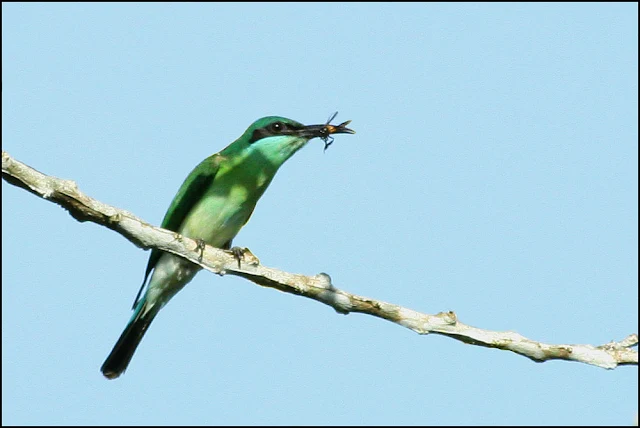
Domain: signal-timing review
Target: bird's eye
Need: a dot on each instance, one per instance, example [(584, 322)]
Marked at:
[(277, 127)]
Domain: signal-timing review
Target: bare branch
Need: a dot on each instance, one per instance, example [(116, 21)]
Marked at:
[(317, 287)]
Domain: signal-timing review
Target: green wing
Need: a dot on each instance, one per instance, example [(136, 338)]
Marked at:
[(191, 191)]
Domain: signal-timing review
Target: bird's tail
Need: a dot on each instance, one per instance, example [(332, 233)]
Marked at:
[(120, 356)]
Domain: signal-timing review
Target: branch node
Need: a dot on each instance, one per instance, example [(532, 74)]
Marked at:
[(115, 218), (448, 317)]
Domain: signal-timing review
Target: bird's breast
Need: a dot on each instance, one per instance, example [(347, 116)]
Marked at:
[(225, 208)]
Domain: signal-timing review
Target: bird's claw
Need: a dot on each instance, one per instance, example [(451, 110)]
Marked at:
[(200, 246), (238, 253)]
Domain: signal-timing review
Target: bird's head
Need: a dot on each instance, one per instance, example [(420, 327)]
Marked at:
[(278, 138)]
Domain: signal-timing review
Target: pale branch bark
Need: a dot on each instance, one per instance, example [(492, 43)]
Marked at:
[(317, 287)]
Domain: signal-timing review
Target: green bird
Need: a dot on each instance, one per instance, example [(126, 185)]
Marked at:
[(214, 202)]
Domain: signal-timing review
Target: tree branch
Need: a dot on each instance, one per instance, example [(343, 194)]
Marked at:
[(318, 287)]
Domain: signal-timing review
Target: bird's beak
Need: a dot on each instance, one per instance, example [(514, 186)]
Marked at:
[(323, 131)]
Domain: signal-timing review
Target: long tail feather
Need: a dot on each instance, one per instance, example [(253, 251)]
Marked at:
[(121, 354)]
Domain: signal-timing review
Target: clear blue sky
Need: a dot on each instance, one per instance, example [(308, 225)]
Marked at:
[(494, 173)]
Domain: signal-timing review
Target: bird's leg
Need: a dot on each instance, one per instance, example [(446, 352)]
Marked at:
[(200, 246), (238, 253)]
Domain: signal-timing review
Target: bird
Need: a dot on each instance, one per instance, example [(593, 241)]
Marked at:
[(211, 206)]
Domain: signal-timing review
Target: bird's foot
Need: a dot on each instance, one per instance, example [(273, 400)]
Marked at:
[(200, 246), (238, 253)]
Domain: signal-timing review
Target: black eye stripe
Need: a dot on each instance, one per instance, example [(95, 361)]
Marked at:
[(275, 128)]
